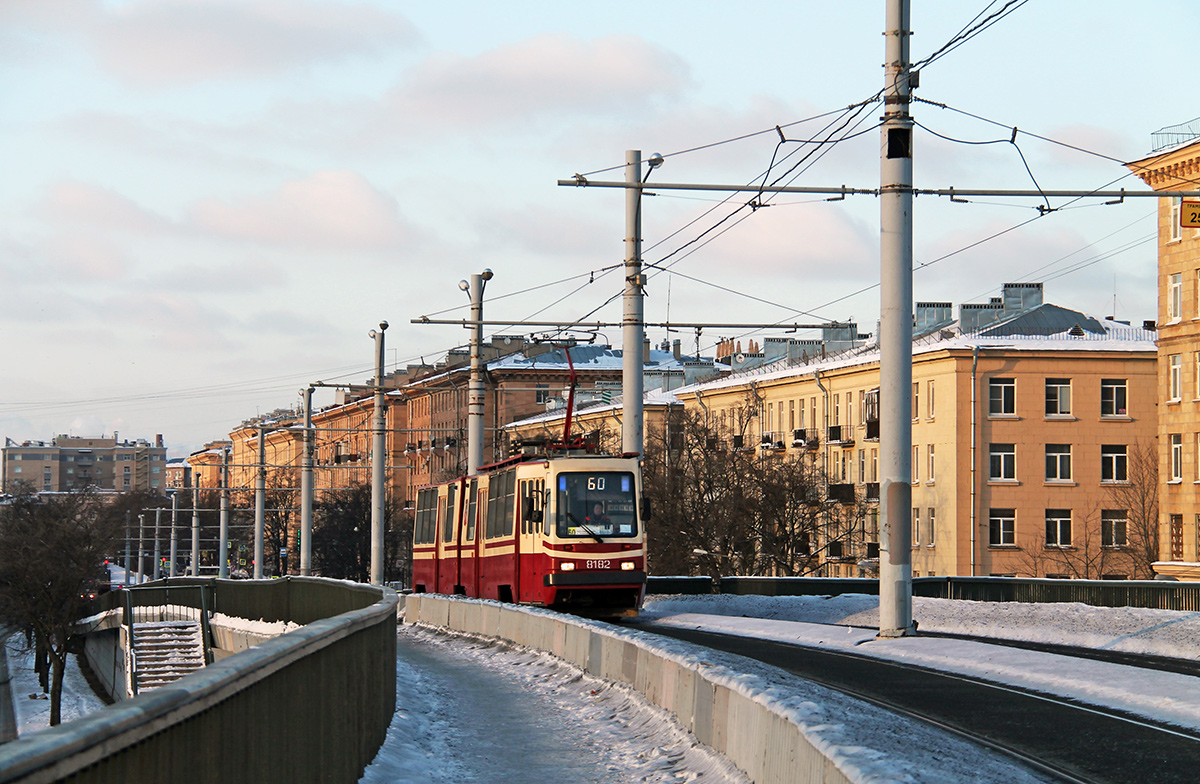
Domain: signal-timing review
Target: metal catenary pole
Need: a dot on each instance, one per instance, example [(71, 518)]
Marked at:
[(156, 569), (895, 332), (141, 547), (306, 488), (475, 392), (632, 378), (260, 503), (378, 493), (223, 542), (195, 559), (174, 533)]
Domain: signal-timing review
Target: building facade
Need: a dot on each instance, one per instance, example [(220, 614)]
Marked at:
[(69, 462), (1178, 168), (1023, 433)]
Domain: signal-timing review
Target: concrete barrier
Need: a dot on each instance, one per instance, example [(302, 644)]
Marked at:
[(310, 705), (730, 712)]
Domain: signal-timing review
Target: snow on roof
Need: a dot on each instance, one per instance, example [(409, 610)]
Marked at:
[(585, 358), (655, 397), (1043, 328)]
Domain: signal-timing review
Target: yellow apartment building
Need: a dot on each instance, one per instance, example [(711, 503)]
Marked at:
[(1026, 416), (1177, 168)]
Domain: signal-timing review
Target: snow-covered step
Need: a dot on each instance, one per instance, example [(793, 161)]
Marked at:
[(166, 651)]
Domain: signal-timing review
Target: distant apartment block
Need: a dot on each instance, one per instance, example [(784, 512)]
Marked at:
[(71, 462)]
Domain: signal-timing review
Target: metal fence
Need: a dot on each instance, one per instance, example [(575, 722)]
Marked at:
[(1154, 594), (313, 704)]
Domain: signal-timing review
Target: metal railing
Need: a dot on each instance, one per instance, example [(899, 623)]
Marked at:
[(1152, 594), (313, 704), (149, 603)]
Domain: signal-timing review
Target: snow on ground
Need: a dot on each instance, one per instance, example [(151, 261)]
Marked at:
[(1162, 696), (31, 705), (474, 710)]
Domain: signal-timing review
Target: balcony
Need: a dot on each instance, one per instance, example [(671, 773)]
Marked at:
[(841, 493), (872, 491), (840, 435)]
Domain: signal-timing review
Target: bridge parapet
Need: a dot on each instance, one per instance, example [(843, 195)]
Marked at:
[(310, 705)]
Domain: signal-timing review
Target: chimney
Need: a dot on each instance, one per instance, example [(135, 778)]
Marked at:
[(1020, 297), (646, 351), (158, 442), (677, 349)]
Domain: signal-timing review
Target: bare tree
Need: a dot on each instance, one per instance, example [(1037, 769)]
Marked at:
[(342, 536), (53, 549), (722, 507), (1138, 498)]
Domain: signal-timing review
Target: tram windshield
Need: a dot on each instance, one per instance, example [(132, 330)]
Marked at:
[(596, 504)]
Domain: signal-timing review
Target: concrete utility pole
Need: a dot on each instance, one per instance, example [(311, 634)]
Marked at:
[(260, 503), (174, 532), (141, 546), (223, 541), (156, 570), (475, 391), (378, 493), (128, 554), (195, 523), (632, 332), (895, 331), (306, 487)]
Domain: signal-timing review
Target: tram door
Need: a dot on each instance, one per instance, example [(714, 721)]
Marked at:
[(469, 572), (533, 557)]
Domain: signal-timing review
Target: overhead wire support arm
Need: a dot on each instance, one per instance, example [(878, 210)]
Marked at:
[(586, 325), (683, 186), (843, 191)]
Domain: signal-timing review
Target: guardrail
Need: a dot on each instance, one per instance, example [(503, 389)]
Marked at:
[(1154, 594), (313, 704)]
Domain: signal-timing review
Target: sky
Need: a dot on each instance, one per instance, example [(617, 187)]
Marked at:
[(209, 203)]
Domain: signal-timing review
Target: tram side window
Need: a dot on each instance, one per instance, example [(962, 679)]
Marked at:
[(448, 519), (510, 488), (423, 530), (472, 505), (494, 492)]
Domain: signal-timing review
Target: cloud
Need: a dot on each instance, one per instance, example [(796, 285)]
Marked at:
[(541, 76), (330, 209), (78, 203), (166, 42)]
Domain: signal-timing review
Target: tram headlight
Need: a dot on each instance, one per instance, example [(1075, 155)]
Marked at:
[(627, 566), (567, 566)]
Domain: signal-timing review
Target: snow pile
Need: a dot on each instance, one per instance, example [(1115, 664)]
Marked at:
[(1131, 629)]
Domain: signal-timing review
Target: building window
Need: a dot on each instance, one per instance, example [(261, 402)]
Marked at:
[(916, 527), (932, 468), (1058, 527), (916, 464), (1175, 296), (929, 400), (862, 465), (932, 538), (1176, 457), (1196, 371), (916, 400), (1058, 396), (1003, 462), (874, 465), (1175, 218), (1175, 376), (1112, 397), (1114, 463), (837, 409), (1113, 528), (1176, 537), (1002, 397), (1002, 526), (541, 393), (1058, 462)]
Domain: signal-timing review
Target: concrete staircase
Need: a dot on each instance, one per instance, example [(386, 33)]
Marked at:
[(165, 651)]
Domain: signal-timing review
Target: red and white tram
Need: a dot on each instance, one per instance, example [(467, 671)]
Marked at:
[(562, 532)]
